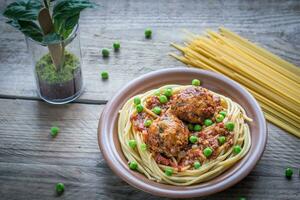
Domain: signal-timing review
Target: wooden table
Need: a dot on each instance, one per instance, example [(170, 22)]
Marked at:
[(31, 162)]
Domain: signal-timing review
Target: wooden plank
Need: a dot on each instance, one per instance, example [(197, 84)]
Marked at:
[(31, 162), (273, 24)]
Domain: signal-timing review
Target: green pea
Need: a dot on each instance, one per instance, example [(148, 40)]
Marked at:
[(168, 92), (196, 82), (224, 113), (104, 75), (197, 127), (289, 172), (229, 126), (208, 122), (168, 171), (133, 165), (163, 99), (116, 46), (219, 118), (132, 143), (148, 33), (207, 151), (54, 131), (156, 110), (193, 139), (242, 198), (197, 165), (105, 53), (222, 139), (237, 149), (139, 108), (157, 93), (148, 122), (143, 147), (191, 127), (137, 101), (60, 188)]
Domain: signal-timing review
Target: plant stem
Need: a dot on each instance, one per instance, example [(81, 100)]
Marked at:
[(62, 55), (46, 4)]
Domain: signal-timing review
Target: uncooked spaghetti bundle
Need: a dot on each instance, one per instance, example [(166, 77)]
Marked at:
[(273, 81)]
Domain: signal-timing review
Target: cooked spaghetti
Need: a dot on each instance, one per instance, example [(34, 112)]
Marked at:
[(183, 135)]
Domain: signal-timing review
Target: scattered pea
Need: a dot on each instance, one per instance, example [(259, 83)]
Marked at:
[(54, 131), (224, 113), (197, 127), (207, 151), (148, 33), (168, 92), (105, 53), (156, 110), (196, 82), (197, 165), (137, 101), (132, 143), (148, 122), (139, 108), (219, 118), (143, 147), (229, 126), (116, 46), (242, 198), (163, 99), (104, 75), (289, 172), (193, 139), (168, 171), (60, 188), (208, 122), (222, 139), (133, 165), (237, 149), (157, 93)]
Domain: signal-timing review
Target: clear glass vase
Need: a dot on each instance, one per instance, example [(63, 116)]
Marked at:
[(58, 75)]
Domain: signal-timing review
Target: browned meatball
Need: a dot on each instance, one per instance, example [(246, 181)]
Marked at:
[(167, 135), (195, 104), (208, 138)]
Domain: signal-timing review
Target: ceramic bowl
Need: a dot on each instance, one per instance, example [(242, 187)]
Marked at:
[(111, 149)]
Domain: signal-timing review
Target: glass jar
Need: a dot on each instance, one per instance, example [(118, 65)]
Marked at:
[(61, 82)]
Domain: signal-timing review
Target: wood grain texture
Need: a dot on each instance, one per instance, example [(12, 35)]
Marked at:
[(31, 162), (273, 24)]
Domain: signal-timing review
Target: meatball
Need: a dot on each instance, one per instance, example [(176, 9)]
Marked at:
[(208, 138), (195, 104), (167, 135)]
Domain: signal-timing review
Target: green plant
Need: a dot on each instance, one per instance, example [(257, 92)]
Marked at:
[(23, 15), (51, 30)]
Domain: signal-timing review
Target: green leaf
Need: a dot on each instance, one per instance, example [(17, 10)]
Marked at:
[(25, 10), (65, 26), (66, 15), (28, 28), (51, 38), (69, 25), (14, 23), (67, 8)]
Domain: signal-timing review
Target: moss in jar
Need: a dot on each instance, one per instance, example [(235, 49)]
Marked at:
[(47, 72)]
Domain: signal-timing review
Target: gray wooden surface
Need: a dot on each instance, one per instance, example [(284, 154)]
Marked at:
[(31, 162)]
